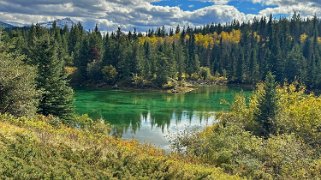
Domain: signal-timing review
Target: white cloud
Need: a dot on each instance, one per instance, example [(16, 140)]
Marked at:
[(220, 2), (306, 8), (141, 14)]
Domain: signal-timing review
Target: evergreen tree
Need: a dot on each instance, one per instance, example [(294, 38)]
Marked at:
[(254, 67), (18, 94), (82, 61), (138, 60), (240, 67), (179, 58), (267, 108), (57, 96), (244, 52), (162, 72), (193, 63), (296, 66)]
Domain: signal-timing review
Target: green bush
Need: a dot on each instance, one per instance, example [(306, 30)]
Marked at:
[(18, 94), (34, 149), (109, 73), (205, 73), (292, 153)]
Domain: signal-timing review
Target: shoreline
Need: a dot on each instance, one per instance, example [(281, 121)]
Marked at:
[(177, 90)]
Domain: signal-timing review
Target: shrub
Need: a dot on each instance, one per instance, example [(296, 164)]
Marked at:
[(293, 152), (18, 94), (109, 73), (205, 73), (194, 77), (33, 149)]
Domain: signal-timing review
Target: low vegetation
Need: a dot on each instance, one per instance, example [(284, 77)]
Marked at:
[(276, 135), (43, 148)]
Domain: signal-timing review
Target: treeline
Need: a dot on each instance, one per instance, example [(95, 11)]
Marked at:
[(241, 52)]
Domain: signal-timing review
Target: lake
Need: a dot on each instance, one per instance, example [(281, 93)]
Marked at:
[(153, 116)]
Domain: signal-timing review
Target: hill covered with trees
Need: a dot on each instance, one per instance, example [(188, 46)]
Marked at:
[(241, 52)]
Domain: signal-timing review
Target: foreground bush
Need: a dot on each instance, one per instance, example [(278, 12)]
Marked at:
[(18, 94), (234, 143), (35, 149)]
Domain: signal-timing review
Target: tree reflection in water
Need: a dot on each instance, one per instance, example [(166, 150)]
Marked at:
[(135, 114)]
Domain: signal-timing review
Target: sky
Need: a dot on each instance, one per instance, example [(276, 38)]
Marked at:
[(146, 14)]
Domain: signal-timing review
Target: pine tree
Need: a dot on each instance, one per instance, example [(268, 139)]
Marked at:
[(240, 72), (254, 67), (57, 96), (179, 58), (193, 63), (82, 61), (162, 69), (137, 60), (75, 39), (267, 108), (296, 65), (95, 56), (149, 65)]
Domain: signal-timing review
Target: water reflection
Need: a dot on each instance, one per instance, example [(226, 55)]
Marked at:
[(151, 116), (155, 131)]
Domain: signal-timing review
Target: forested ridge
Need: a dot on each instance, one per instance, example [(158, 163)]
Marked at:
[(241, 52)]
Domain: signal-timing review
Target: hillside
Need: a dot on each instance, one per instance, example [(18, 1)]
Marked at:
[(40, 148), (6, 25)]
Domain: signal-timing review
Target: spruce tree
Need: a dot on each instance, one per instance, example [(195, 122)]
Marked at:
[(296, 65), (267, 108), (193, 63), (57, 96), (82, 61), (179, 58)]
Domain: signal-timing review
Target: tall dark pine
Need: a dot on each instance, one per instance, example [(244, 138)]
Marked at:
[(267, 108), (296, 65), (82, 61), (193, 63), (57, 96)]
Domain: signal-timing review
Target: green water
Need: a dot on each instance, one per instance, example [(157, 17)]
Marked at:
[(153, 116)]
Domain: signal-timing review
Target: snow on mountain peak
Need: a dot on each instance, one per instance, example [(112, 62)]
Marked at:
[(61, 23)]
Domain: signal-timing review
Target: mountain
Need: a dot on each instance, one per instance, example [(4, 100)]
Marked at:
[(61, 23), (6, 25)]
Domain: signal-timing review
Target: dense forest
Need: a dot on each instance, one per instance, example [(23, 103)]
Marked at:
[(241, 52), (274, 134)]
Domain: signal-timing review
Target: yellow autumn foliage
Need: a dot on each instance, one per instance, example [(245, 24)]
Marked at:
[(303, 37), (207, 40), (39, 148), (293, 152)]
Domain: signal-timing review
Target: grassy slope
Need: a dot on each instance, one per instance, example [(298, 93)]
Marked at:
[(34, 149)]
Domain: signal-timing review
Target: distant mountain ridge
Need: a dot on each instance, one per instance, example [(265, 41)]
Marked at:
[(61, 23), (6, 25)]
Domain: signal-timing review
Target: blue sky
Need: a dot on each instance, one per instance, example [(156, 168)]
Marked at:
[(245, 6), (186, 5), (146, 14), (248, 7)]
